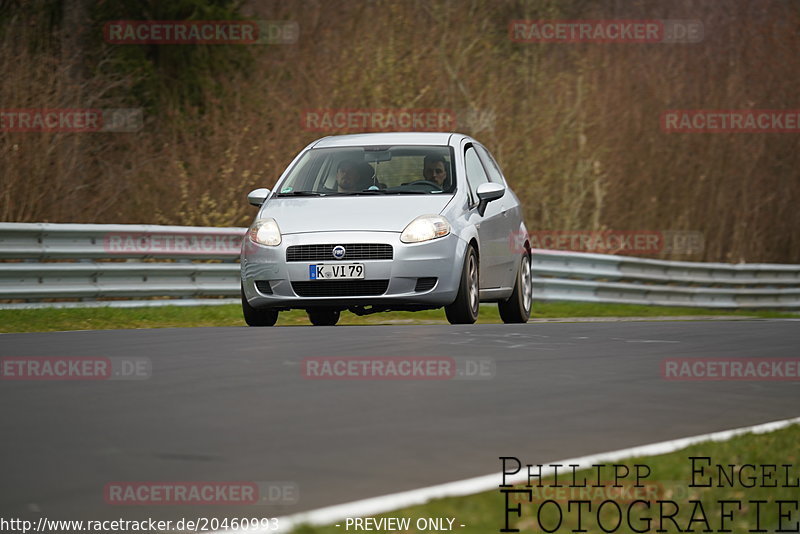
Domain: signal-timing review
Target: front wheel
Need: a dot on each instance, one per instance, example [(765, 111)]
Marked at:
[(464, 310), (257, 317), (517, 309), (323, 317)]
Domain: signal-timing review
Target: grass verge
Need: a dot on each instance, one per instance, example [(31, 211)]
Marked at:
[(669, 480), (44, 320)]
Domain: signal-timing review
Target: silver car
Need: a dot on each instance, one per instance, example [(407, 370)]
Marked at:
[(387, 221)]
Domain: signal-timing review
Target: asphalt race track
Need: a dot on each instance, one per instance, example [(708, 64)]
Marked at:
[(232, 404)]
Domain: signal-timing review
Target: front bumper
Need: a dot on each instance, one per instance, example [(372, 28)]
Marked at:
[(439, 258)]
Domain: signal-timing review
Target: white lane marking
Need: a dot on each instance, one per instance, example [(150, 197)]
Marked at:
[(644, 340), (387, 503), (649, 341)]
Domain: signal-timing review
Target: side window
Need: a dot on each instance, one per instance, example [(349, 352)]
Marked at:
[(476, 175), (491, 165)]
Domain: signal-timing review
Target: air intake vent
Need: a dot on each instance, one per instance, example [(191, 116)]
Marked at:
[(353, 251), (264, 287), (425, 284), (341, 288)]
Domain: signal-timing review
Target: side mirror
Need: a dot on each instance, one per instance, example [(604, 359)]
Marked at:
[(256, 197), (487, 192)]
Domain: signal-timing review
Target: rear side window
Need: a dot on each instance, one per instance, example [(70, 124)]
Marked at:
[(491, 165), (476, 175)]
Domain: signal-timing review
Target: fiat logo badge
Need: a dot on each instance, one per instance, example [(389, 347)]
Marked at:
[(338, 252)]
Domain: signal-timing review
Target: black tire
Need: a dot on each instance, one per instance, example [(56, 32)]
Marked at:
[(323, 316), (464, 310), (517, 309), (256, 317)]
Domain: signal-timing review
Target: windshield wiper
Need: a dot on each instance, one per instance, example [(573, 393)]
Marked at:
[(380, 192), (410, 192), (362, 192), (354, 193), (301, 194)]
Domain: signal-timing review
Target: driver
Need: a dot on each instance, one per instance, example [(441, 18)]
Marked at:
[(434, 169), (353, 176)]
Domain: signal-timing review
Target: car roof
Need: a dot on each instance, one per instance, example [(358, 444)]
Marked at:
[(389, 138)]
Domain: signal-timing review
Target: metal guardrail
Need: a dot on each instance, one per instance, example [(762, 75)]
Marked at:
[(43, 261), (46, 241), (581, 277)]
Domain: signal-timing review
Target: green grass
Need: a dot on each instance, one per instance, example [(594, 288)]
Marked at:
[(43, 320), (669, 480)]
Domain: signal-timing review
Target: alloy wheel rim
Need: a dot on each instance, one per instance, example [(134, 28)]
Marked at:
[(473, 283), (527, 290)]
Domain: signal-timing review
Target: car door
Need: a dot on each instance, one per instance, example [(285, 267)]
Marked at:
[(511, 212), (491, 225)]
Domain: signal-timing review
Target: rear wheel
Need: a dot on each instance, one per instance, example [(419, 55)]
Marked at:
[(323, 316), (464, 310), (257, 317), (517, 309)]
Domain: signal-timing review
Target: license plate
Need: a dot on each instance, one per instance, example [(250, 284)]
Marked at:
[(336, 271)]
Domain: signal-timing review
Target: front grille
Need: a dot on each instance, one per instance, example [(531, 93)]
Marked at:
[(341, 288), (425, 284), (353, 251), (264, 287)]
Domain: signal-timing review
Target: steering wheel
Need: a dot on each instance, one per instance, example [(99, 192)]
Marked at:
[(425, 182)]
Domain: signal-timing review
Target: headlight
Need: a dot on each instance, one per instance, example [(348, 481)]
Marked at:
[(425, 228), (265, 232)]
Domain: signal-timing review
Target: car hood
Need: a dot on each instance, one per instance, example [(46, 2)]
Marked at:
[(352, 213)]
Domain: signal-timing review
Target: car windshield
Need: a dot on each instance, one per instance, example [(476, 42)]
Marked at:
[(371, 170)]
